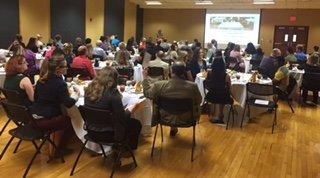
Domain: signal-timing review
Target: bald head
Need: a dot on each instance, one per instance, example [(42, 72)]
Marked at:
[(160, 54), (276, 52)]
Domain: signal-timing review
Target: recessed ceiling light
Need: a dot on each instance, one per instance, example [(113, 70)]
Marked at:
[(263, 2), (153, 3), (203, 2)]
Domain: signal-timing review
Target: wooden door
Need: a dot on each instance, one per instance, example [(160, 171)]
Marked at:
[(290, 36)]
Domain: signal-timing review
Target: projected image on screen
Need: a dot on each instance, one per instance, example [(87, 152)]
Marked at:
[(236, 28)]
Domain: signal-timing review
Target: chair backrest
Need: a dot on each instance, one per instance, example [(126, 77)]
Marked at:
[(175, 106), (12, 96), (125, 72), (79, 71), (260, 89), (17, 113), (292, 87), (155, 71), (310, 81), (97, 118)]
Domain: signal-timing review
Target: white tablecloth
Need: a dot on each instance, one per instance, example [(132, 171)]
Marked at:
[(298, 75), (2, 76), (129, 98), (238, 90)]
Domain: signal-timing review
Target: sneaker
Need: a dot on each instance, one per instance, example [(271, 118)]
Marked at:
[(217, 121)]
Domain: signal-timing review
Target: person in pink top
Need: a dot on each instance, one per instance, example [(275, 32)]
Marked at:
[(236, 62), (83, 62)]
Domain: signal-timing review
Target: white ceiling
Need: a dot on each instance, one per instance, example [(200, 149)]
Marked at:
[(233, 4)]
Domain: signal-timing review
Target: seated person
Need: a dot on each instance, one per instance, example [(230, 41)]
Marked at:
[(122, 47), (300, 55), (269, 65), (98, 51), (290, 58), (257, 58), (121, 60), (281, 81), (236, 61), (50, 92), (82, 62), (102, 93), (68, 53), (311, 67), (159, 63), (15, 80), (196, 64), (250, 49), (33, 68), (218, 83), (177, 87)]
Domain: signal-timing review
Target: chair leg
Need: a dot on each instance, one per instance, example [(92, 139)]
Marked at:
[(102, 149), (289, 103), (193, 142), (116, 163), (161, 133), (244, 112), (228, 117), (33, 158), (232, 116), (35, 145), (132, 155), (17, 147), (154, 140), (249, 113), (6, 147), (78, 157), (56, 148), (274, 120), (4, 127)]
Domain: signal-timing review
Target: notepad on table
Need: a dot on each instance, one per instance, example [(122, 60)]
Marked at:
[(261, 102)]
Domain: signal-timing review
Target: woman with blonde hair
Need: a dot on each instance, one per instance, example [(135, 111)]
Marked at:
[(102, 93), (51, 92)]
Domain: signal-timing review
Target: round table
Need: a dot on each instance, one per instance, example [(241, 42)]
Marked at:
[(239, 92), (129, 98)]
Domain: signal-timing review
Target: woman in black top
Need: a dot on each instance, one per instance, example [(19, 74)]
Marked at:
[(250, 49), (51, 91), (218, 83), (256, 59), (197, 63), (102, 93)]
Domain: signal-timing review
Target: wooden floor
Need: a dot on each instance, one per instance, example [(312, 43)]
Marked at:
[(292, 151)]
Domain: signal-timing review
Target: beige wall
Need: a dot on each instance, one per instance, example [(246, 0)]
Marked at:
[(130, 20), (34, 19), (271, 18), (176, 24), (94, 19)]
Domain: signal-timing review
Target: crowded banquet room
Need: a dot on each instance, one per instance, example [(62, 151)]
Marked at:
[(159, 88)]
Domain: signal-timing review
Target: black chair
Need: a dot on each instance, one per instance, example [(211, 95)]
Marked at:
[(125, 74), (176, 107), (156, 72), (12, 96), (105, 121), (262, 90), (310, 81), (26, 132), (83, 73), (289, 93), (231, 110)]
